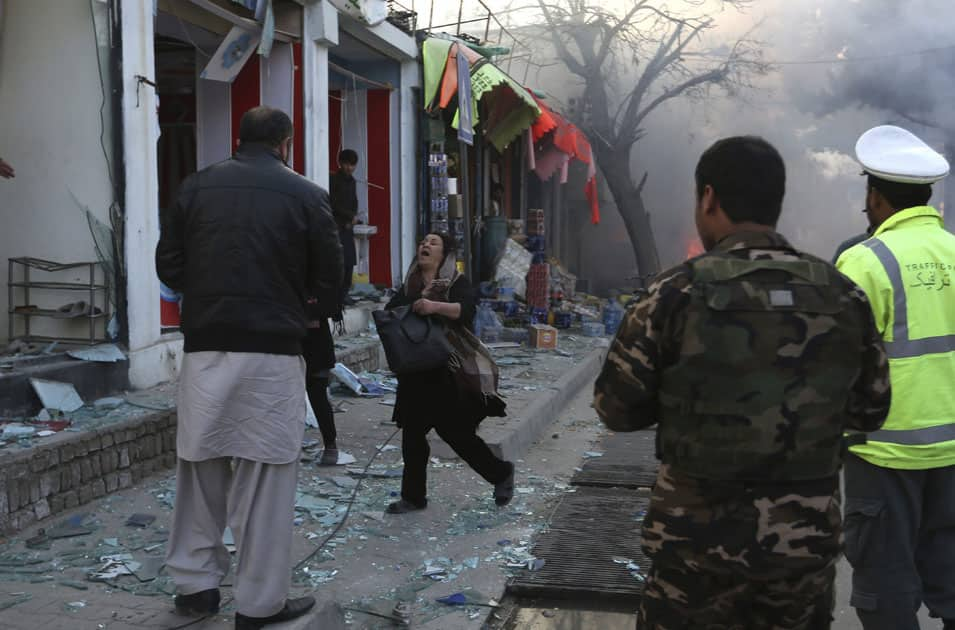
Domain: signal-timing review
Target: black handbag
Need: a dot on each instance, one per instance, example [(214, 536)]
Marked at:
[(412, 343)]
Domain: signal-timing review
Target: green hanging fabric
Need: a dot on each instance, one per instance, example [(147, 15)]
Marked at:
[(484, 78), (435, 57)]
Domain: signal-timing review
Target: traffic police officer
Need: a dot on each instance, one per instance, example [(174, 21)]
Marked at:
[(900, 485), (753, 358)]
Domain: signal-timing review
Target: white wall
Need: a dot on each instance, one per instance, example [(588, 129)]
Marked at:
[(277, 79), (153, 358), (410, 79), (320, 30), (214, 124), (49, 131), (397, 185)]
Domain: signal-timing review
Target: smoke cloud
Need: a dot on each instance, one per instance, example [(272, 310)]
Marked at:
[(844, 67)]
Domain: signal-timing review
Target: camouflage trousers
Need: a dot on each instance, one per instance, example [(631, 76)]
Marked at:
[(680, 598), (740, 556)]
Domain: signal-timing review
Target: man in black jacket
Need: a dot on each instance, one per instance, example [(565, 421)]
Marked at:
[(344, 200), (247, 243)]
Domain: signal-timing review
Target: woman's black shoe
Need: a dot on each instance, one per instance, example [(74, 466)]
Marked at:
[(504, 490), (294, 608), (403, 507), (199, 604)]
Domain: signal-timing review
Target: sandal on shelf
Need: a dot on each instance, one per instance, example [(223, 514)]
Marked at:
[(71, 310)]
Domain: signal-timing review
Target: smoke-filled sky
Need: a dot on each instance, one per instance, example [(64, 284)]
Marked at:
[(811, 109)]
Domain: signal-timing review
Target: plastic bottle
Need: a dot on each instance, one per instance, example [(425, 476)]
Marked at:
[(490, 326), (613, 316)]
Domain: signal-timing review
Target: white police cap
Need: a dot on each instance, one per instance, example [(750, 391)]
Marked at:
[(896, 155)]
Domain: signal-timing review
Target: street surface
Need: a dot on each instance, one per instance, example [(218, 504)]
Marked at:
[(373, 562)]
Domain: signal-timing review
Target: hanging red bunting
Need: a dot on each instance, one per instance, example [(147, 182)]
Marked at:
[(570, 142)]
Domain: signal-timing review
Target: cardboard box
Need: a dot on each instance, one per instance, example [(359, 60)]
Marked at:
[(542, 336)]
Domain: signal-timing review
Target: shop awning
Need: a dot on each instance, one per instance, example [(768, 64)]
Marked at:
[(512, 109), (556, 141)]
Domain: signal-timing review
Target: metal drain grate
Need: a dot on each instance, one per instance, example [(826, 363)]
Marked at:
[(589, 529), (615, 476), (628, 461)]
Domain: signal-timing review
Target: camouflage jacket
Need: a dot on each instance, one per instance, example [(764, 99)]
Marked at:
[(684, 508)]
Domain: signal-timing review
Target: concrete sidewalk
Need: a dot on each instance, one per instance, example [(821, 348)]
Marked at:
[(375, 559)]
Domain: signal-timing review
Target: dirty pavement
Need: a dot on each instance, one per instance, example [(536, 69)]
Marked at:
[(100, 565)]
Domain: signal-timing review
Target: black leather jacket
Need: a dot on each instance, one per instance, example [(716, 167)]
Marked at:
[(245, 243)]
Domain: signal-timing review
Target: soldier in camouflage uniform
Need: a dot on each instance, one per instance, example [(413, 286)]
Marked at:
[(754, 359)]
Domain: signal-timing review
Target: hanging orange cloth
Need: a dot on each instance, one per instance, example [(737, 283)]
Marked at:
[(545, 123), (572, 142), (586, 154), (449, 82)]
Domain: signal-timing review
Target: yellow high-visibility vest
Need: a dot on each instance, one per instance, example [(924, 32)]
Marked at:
[(907, 269)]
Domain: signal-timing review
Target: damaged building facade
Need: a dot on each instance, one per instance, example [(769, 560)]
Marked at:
[(105, 115)]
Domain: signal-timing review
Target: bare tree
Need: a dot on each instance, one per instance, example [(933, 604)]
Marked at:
[(663, 53)]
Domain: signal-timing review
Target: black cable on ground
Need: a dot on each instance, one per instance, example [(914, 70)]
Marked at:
[(351, 502)]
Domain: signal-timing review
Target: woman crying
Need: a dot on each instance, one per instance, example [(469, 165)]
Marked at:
[(452, 399)]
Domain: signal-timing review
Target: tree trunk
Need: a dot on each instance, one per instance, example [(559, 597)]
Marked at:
[(615, 166)]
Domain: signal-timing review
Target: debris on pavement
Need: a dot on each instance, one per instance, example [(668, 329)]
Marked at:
[(70, 528), (56, 395), (40, 541), (377, 472), (457, 599), (149, 569), (105, 353), (464, 534), (468, 597), (150, 400), (141, 520), (110, 402), (347, 378), (114, 566), (536, 564), (15, 431)]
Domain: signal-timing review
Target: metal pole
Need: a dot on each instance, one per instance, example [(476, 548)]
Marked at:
[(460, 14), (465, 202), (92, 303), (431, 16), (479, 204), (522, 153), (26, 291), (10, 304)]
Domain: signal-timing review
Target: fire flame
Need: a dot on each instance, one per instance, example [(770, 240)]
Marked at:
[(694, 248)]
